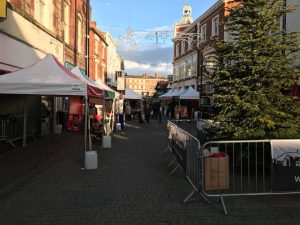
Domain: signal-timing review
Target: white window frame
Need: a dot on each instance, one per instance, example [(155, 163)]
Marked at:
[(182, 46), (190, 42), (177, 50), (79, 33), (96, 71), (215, 26), (97, 39), (67, 21), (198, 33), (203, 33), (43, 13)]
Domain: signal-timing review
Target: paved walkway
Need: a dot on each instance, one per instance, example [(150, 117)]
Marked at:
[(45, 184)]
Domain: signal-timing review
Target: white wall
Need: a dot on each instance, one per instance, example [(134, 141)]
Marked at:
[(113, 58), (38, 42)]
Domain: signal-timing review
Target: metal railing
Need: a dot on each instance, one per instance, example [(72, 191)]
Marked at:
[(236, 168), (11, 128), (186, 150)]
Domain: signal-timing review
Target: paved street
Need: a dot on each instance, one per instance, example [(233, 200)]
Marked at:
[(45, 184)]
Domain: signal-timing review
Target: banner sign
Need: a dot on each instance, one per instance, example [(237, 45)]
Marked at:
[(286, 165), (120, 83), (3, 12), (177, 138)]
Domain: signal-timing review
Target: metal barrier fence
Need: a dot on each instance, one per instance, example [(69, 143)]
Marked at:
[(11, 128), (235, 168), (186, 150)]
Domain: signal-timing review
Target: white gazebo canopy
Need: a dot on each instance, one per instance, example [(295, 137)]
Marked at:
[(131, 94), (190, 93), (46, 77)]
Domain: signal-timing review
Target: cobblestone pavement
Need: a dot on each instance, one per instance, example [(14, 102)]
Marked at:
[(45, 184)]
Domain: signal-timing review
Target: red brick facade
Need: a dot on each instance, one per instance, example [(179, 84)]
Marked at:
[(145, 84), (97, 53), (72, 55)]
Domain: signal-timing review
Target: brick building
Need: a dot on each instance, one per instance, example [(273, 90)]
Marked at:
[(194, 56), (144, 85), (74, 33), (34, 28), (97, 53)]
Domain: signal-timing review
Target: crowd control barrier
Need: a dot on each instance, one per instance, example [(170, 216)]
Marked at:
[(236, 168), (186, 150), (250, 167), (11, 128)]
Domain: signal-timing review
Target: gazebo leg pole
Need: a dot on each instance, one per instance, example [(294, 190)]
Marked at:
[(86, 124), (25, 121)]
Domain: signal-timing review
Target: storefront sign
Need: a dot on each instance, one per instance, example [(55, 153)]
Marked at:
[(120, 83), (3, 11), (286, 165)]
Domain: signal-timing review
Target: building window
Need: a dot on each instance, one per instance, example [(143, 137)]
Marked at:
[(27, 6), (190, 42), (198, 33), (215, 26), (96, 44), (43, 13), (177, 50), (96, 71), (182, 47), (203, 33), (79, 33), (67, 21)]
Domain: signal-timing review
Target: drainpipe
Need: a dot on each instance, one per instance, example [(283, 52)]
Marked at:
[(76, 31), (87, 37)]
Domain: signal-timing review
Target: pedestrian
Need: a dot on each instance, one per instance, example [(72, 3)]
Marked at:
[(128, 111), (147, 111), (140, 111), (160, 112)]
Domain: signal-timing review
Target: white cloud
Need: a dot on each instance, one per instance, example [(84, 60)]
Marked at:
[(136, 68), (149, 51)]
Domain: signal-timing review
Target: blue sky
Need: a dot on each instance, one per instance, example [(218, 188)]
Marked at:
[(143, 30)]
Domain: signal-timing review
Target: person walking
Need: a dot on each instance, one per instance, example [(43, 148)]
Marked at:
[(140, 111), (147, 113), (160, 112), (128, 111)]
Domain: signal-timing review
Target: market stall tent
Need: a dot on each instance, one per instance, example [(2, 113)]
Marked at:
[(166, 94), (190, 93), (46, 77), (110, 93), (131, 94)]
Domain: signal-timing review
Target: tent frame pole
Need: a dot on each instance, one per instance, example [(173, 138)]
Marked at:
[(86, 124), (25, 121)]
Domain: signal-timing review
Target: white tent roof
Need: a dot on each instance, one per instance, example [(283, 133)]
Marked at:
[(191, 93), (176, 92), (166, 94), (98, 83), (169, 93), (83, 77), (130, 94), (181, 91), (46, 77), (107, 88)]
